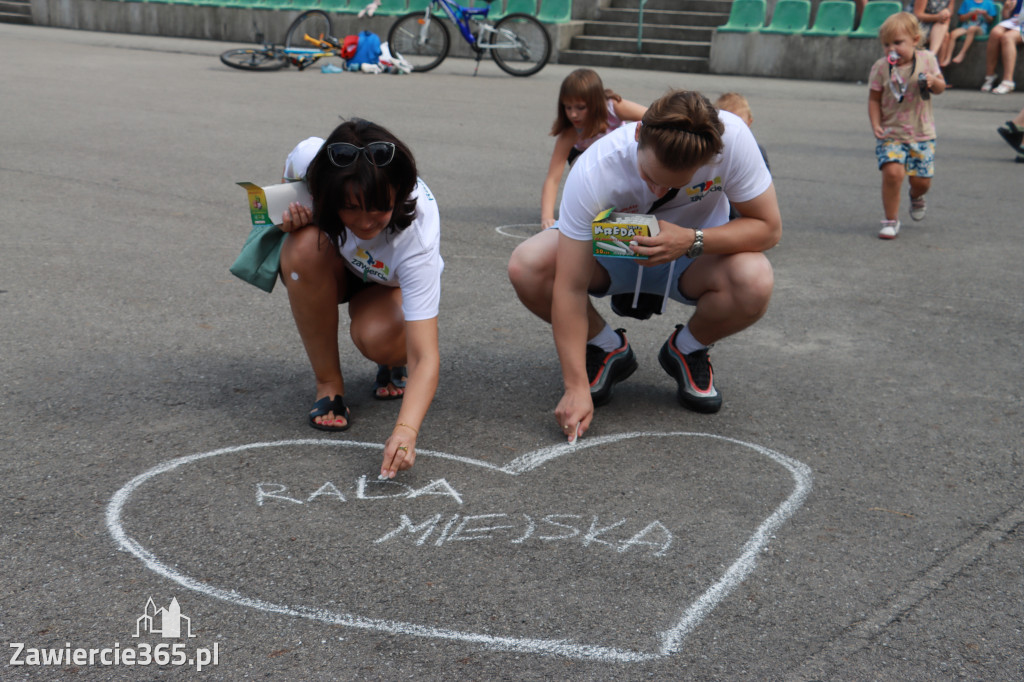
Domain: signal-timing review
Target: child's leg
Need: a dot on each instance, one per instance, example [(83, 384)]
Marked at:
[(920, 169), (919, 186), (892, 181), (968, 35), (946, 49)]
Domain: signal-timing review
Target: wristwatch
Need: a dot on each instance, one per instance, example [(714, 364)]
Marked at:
[(697, 247)]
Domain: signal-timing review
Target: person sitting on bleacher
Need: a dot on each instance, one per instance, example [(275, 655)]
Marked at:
[(975, 18), (934, 16), (1003, 42)]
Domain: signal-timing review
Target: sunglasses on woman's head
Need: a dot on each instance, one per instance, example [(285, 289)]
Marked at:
[(343, 154)]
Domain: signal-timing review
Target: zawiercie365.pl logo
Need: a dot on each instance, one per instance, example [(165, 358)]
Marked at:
[(168, 623)]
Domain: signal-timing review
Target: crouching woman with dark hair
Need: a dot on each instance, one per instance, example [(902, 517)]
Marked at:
[(372, 240)]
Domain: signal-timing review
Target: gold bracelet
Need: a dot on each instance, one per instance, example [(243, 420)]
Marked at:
[(416, 431)]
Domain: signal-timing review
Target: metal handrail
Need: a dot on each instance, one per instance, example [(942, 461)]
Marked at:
[(640, 28)]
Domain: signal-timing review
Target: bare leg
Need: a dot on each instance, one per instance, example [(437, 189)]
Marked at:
[(859, 10), (940, 30), (1019, 119), (314, 275), (946, 50), (378, 326), (732, 293), (919, 186), (531, 269), (892, 183), (968, 41), (993, 50), (1009, 52)]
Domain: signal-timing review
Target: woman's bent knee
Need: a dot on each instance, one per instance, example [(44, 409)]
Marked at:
[(305, 252)]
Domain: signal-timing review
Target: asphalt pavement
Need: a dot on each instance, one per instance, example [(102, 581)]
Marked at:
[(854, 512)]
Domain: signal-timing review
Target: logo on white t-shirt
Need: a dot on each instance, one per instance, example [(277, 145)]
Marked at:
[(370, 266), (702, 189)]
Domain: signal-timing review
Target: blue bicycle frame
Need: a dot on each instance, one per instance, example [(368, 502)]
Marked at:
[(518, 42), (461, 16)]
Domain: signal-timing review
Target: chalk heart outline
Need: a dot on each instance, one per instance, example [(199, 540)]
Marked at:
[(670, 640)]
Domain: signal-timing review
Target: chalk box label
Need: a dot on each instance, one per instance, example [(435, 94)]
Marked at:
[(612, 232), (268, 204)]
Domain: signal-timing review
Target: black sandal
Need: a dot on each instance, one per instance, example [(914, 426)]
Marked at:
[(326, 405), (395, 376)]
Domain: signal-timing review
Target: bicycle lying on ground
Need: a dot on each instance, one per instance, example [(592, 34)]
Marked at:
[(309, 39), (518, 42)]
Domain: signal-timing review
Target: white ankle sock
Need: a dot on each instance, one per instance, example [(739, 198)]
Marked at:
[(686, 343), (608, 339)]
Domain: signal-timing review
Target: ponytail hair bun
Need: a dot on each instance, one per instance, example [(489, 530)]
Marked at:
[(683, 130)]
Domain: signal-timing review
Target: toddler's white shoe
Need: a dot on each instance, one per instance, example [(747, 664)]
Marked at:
[(917, 208), (890, 228), (1004, 88), (986, 85)]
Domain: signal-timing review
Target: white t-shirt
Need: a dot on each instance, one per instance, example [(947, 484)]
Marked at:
[(298, 160), (608, 176), (410, 259)]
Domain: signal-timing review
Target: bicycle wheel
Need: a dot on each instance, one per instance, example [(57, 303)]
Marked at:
[(521, 46), (313, 23), (254, 59), (420, 38)]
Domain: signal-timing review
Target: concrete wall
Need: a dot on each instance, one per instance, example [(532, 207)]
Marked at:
[(824, 58), (749, 54)]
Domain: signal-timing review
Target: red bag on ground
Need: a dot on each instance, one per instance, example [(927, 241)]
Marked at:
[(348, 47)]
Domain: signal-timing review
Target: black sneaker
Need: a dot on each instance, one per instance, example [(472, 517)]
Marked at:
[(606, 369), (1013, 135), (693, 374)]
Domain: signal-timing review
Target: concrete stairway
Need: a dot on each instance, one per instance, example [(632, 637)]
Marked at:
[(16, 11), (676, 35)]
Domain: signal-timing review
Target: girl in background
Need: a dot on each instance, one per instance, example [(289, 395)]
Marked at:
[(586, 112)]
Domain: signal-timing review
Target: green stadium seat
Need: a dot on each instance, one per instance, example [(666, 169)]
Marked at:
[(555, 11), (834, 18), (389, 8), (298, 5), (497, 7), (517, 7), (338, 6), (875, 13), (789, 17), (745, 16)]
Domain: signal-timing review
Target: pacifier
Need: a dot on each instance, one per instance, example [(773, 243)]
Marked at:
[(893, 57)]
